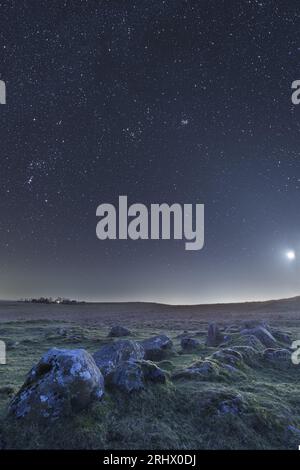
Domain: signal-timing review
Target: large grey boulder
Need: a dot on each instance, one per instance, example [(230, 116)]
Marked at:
[(118, 331), (261, 333), (132, 376), (214, 336), (111, 355), (63, 382), (157, 348)]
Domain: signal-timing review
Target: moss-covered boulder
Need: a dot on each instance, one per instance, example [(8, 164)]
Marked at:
[(63, 382), (111, 355)]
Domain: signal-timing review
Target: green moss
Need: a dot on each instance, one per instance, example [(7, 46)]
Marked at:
[(254, 407)]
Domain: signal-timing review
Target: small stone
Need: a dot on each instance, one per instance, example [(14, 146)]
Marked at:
[(118, 331), (190, 344)]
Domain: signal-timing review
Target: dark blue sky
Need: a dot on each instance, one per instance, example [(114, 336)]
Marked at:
[(164, 101)]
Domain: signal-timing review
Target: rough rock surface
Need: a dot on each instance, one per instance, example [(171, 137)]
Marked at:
[(261, 333), (282, 336), (228, 356), (157, 347), (190, 344), (250, 355), (233, 405), (203, 370), (118, 331), (280, 358), (214, 336), (130, 376), (111, 355), (64, 381)]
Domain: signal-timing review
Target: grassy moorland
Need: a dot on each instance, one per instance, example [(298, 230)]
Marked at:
[(256, 406)]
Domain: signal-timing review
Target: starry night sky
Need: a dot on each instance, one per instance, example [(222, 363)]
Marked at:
[(164, 101)]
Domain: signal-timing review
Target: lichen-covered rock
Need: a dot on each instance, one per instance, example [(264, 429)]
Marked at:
[(157, 348), (282, 336), (63, 382), (222, 402), (261, 333), (118, 331), (127, 377), (250, 324), (111, 355), (214, 336), (203, 370), (246, 341), (190, 344), (228, 356), (153, 373), (233, 405), (279, 358), (130, 376), (250, 356)]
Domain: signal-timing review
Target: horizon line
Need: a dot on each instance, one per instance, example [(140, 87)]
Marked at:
[(237, 302)]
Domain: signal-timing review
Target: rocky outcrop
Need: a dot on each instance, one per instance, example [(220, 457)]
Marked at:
[(63, 382)]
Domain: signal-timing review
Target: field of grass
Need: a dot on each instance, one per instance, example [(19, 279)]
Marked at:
[(181, 414)]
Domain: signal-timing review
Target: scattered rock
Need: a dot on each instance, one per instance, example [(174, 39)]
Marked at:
[(130, 376), (203, 370), (246, 341), (190, 344), (279, 358), (214, 336), (63, 382), (261, 333), (232, 406), (250, 356), (69, 335), (111, 355), (228, 356), (282, 336), (222, 402), (117, 331), (152, 373), (250, 324), (127, 376), (184, 334), (157, 348)]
